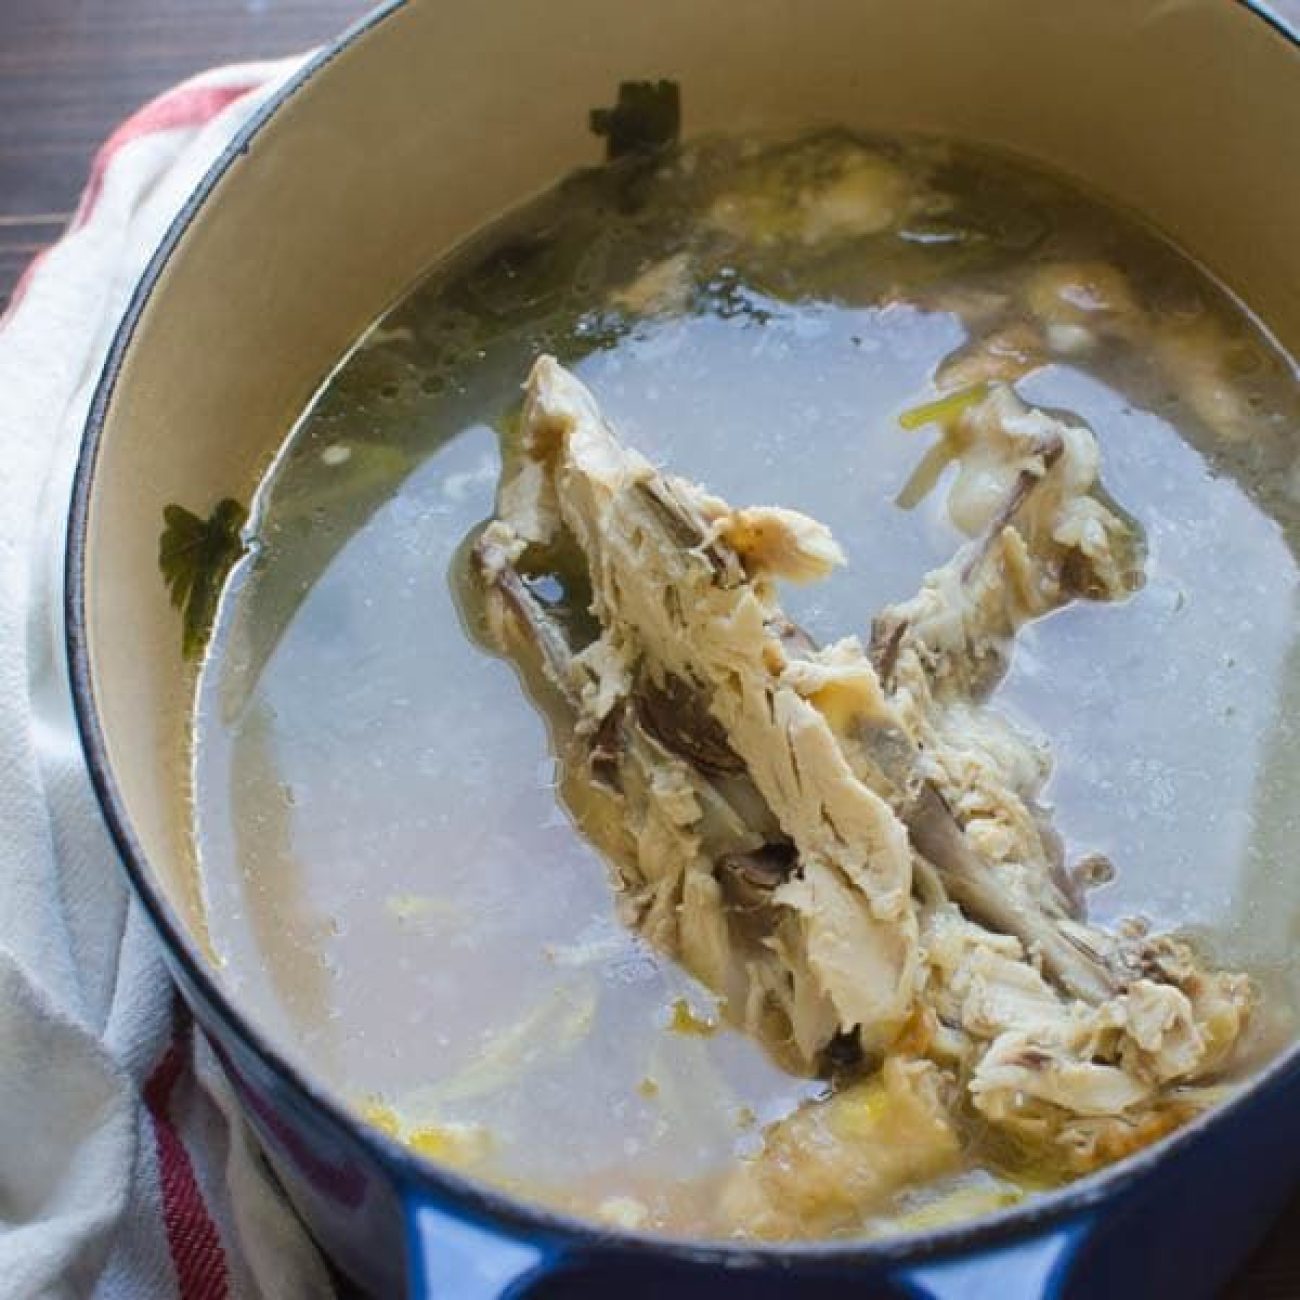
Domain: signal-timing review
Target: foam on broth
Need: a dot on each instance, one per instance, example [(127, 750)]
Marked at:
[(390, 879)]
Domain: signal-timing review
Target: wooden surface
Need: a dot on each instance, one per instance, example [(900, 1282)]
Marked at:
[(71, 69)]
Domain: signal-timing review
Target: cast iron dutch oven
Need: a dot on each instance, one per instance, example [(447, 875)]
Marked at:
[(414, 129)]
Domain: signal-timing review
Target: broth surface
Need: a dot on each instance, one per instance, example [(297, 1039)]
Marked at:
[(390, 879)]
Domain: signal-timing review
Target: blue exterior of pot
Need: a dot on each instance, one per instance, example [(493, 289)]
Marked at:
[(1176, 1226), (1172, 1221)]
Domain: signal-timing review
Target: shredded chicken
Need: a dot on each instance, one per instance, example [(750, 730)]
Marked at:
[(1198, 357), (661, 289), (831, 1160), (1065, 310), (725, 768), (1002, 355), (1081, 303), (848, 844), (843, 190)]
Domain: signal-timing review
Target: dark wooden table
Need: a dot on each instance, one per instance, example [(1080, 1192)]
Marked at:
[(71, 69)]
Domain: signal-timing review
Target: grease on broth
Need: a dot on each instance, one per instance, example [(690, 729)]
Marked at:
[(390, 879)]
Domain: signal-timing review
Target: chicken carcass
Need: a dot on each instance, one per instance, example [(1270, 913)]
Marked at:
[(848, 843)]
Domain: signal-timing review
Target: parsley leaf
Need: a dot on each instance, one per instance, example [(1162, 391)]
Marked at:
[(646, 118), (195, 556)]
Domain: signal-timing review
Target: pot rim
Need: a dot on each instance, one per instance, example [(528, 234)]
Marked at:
[(411, 1172)]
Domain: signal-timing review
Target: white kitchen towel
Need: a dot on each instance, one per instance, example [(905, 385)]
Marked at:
[(125, 1169)]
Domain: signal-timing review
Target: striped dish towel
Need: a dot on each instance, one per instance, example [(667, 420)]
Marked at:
[(125, 1170)]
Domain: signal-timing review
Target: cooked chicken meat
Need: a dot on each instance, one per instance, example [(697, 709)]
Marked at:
[(719, 753), (1003, 355), (846, 190), (831, 1160), (1066, 310), (1081, 303), (848, 844)]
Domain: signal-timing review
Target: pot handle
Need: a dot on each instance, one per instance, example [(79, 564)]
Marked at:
[(1036, 1269), (455, 1258)]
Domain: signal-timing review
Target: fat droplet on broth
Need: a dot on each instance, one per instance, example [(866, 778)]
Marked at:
[(343, 672)]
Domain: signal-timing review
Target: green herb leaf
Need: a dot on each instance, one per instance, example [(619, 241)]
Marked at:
[(647, 118), (195, 556)]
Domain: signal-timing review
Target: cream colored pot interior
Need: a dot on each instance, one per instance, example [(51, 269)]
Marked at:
[(443, 115)]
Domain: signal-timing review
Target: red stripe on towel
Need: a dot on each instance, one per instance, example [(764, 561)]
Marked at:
[(192, 1237), (186, 106)]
